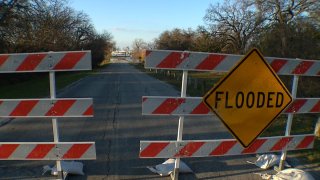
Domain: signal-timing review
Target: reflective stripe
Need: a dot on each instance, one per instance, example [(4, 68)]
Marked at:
[(199, 61), (222, 147), (75, 107), (191, 106), (45, 62), (47, 151)]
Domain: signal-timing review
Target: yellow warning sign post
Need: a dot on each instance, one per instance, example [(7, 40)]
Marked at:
[(248, 98)]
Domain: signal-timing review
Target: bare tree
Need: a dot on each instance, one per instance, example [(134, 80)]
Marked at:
[(236, 22), (137, 47), (176, 39), (6, 6), (280, 13), (205, 41), (50, 25)]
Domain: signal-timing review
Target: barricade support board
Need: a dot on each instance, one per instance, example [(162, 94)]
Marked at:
[(223, 147), (218, 62), (47, 151), (62, 107), (45, 62), (193, 106)]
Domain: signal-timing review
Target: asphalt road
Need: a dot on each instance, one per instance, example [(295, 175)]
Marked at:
[(117, 128)]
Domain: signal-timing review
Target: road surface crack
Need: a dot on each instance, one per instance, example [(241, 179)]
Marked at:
[(114, 127)]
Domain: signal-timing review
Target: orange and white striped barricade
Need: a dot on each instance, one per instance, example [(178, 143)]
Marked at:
[(45, 62), (51, 108), (222, 147), (191, 106), (47, 151), (64, 107), (217, 62)]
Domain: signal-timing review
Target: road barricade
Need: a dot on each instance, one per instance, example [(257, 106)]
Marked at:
[(47, 108), (194, 106)]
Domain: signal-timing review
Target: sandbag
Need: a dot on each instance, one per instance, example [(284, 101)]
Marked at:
[(71, 167), (266, 161), (292, 174), (68, 167), (167, 167)]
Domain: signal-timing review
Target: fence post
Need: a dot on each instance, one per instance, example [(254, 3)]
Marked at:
[(289, 120), (180, 126)]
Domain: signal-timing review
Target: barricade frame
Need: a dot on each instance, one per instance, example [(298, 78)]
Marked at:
[(50, 62), (218, 62)]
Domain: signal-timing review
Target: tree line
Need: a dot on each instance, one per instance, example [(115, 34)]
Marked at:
[(280, 28), (50, 25), (286, 28)]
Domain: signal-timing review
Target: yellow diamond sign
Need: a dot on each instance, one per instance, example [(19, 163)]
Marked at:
[(248, 98)]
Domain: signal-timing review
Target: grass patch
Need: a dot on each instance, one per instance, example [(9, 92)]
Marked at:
[(200, 82), (64, 79), (38, 85)]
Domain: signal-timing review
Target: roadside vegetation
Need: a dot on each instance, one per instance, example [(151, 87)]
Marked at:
[(48, 25), (286, 28), (37, 86)]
